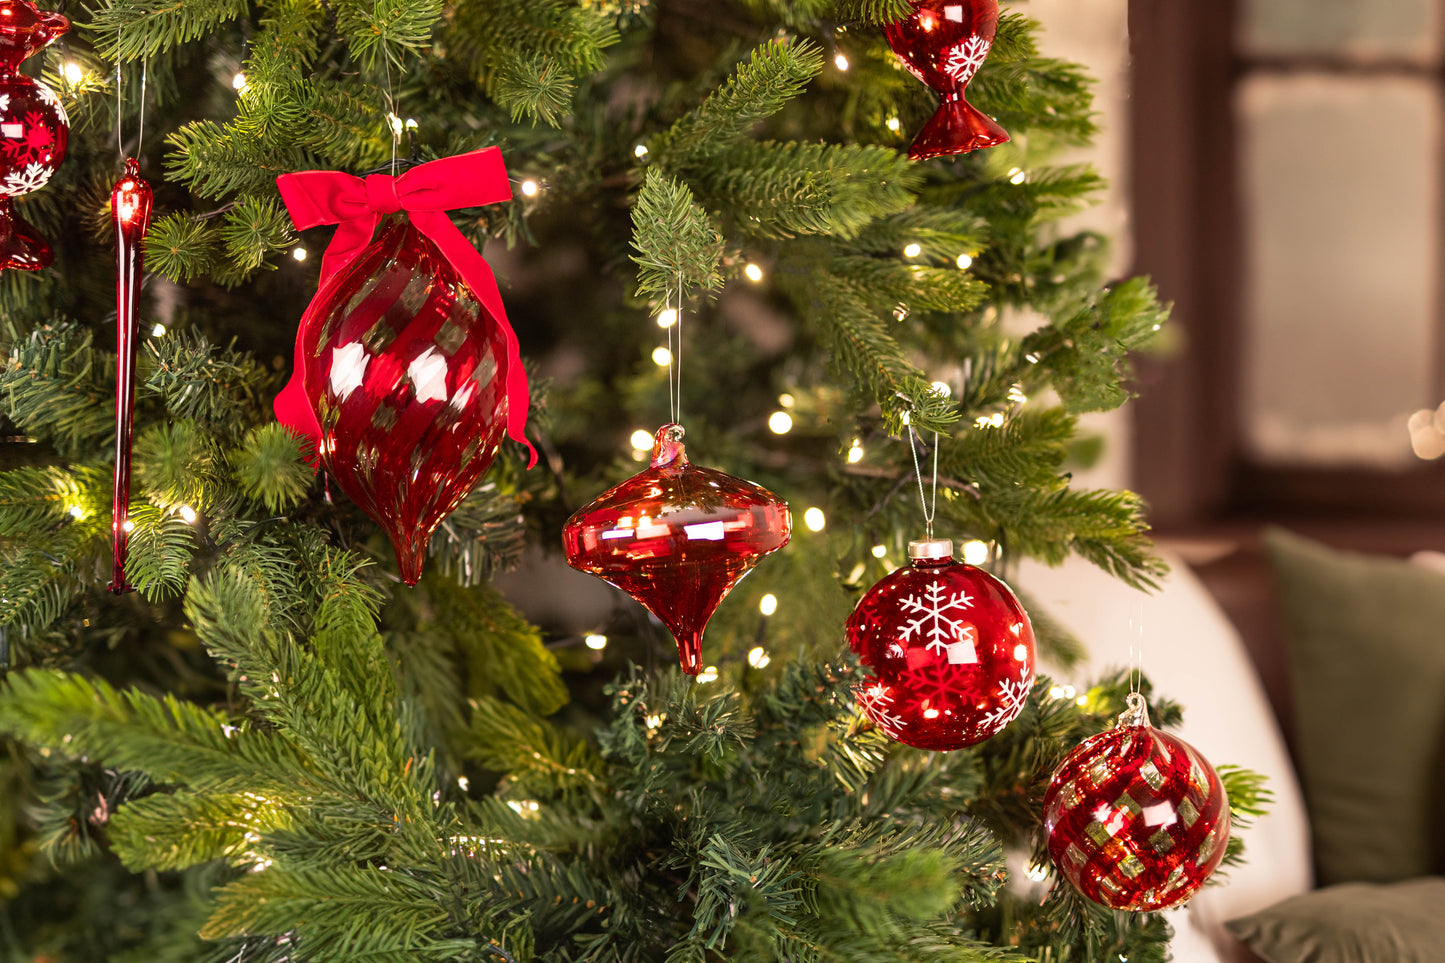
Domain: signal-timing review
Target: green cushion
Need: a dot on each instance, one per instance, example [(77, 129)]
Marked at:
[(1366, 642), (1352, 923)]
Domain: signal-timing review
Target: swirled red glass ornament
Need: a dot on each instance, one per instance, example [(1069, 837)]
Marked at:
[(406, 370), (950, 647), (33, 129), (1136, 818), (943, 44), (677, 538)]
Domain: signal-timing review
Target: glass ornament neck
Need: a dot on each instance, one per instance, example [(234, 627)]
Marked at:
[(667, 447), (931, 551)]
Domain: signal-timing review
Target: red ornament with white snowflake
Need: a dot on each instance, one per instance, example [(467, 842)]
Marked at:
[(951, 649), (1137, 819), (33, 129), (943, 44)]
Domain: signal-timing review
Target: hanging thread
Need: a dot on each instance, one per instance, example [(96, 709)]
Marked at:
[(674, 350), (930, 507)]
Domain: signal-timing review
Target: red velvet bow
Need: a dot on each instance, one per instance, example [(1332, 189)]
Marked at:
[(426, 193)]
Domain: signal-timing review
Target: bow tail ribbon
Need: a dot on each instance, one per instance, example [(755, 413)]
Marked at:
[(426, 193)]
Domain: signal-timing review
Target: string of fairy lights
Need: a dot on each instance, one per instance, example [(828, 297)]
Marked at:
[(780, 422)]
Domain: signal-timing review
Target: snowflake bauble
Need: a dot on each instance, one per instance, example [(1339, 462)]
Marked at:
[(33, 128), (950, 648)]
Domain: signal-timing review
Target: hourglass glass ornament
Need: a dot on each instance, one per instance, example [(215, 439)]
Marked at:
[(33, 129)]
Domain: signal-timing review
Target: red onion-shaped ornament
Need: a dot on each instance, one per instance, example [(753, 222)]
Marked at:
[(130, 211), (677, 538), (951, 649), (33, 129), (406, 370), (1136, 818), (943, 44)]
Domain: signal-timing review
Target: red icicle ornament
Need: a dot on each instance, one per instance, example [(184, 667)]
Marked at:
[(677, 538), (1136, 818), (34, 129), (951, 649), (130, 211), (943, 44)]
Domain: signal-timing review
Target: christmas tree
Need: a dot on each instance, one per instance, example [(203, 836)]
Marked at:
[(273, 750)]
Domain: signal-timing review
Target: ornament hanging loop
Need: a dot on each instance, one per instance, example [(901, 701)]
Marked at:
[(1136, 712), (930, 506)]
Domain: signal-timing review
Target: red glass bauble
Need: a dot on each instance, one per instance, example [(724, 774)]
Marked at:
[(943, 44), (677, 538), (33, 129), (406, 371), (1136, 818), (951, 649)]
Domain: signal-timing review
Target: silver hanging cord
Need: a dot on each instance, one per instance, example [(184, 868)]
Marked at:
[(674, 355), (120, 111), (930, 507)]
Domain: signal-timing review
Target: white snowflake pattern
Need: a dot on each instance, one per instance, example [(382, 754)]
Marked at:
[(30, 178), (913, 70), (1012, 694), (47, 95), (929, 618), (4, 103), (875, 698), (963, 60)]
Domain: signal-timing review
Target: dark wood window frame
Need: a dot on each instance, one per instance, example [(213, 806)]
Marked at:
[(1189, 456)]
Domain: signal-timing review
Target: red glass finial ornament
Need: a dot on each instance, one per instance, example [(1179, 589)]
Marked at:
[(677, 538), (130, 211), (406, 370), (33, 129), (1136, 818), (943, 44), (950, 648)]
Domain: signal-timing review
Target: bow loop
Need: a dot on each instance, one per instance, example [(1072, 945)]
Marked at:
[(427, 191)]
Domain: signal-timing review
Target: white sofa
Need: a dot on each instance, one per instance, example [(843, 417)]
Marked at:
[(1192, 654)]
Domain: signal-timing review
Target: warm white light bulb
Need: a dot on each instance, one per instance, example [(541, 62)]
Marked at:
[(128, 525), (781, 422), (758, 657), (913, 250), (964, 262), (787, 400), (768, 604), (239, 81), (158, 331), (708, 674), (1017, 176), (529, 188), (667, 318), (893, 124), (76, 511), (661, 357), (841, 62), (299, 253), (597, 642), (642, 439), (640, 151), (880, 550), (855, 454), (975, 552), (188, 514), (754, 273), (942, 388), (813, 518), (72, 72)]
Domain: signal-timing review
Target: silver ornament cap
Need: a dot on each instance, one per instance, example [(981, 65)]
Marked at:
[(931, 548)]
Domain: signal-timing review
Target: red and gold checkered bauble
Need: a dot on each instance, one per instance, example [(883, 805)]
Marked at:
[(950, 647), (1136, 818)]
